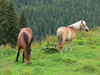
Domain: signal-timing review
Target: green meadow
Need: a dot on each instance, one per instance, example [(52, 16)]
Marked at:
[(47, 60)]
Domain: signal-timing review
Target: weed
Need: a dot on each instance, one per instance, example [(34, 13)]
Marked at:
[(69, 60), (50, 45), (28, 72), (93, 46), (7, 51)]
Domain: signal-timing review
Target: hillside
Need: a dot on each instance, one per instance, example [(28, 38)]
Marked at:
[(45, 16), (83, 60)]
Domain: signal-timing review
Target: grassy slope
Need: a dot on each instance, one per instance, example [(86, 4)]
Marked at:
[(83, 60)]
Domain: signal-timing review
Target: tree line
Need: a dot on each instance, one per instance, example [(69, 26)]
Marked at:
[(45, 16), (10, 25)]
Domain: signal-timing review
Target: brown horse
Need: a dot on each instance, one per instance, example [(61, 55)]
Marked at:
[(25, 39), (69, 33)]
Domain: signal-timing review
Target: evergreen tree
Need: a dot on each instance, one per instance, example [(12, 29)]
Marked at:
[(3, 22), (22, 20), (13, 25), (51, 14)]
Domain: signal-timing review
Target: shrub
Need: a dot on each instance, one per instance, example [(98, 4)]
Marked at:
[(93, 46), (69, 60), (7, 51), (50, 45)]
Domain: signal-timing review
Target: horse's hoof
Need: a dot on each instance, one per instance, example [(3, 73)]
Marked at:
[(22, 61), (16, 61), (61, 52)]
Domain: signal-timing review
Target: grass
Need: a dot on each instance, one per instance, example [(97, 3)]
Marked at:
[(83, 60)]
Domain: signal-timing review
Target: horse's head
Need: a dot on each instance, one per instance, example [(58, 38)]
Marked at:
[(83, 26), (27, 57)]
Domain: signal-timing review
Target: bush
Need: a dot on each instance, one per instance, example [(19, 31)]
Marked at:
[(93, 46), (7, 51), (69, 60), (50, 45)]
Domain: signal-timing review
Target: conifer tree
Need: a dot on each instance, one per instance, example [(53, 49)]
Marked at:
[(13, 25), (3, 22), (22, 20)]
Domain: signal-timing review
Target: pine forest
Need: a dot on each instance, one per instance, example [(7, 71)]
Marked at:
[(44, 16)]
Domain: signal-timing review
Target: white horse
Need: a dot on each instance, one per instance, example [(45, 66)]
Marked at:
[(69, 33)]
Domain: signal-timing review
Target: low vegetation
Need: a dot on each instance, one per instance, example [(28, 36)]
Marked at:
[(47, 60)]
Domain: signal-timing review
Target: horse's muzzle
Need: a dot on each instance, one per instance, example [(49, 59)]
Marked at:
[(28, 63), (86, 30)]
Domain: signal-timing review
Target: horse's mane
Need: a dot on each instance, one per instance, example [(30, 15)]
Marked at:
[(77, 25)]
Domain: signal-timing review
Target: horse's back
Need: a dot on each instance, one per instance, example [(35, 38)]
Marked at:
[(26, 30), (67, 33), (21, 40), (63, 31), (72, 31)]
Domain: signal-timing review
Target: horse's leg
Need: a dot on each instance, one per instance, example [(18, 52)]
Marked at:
[(72, 44), (23, 57), (18, 54), (66, 46), (63, 42)]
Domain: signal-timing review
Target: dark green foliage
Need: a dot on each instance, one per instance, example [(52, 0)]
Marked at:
[(22, 20), (3, 22), (9, 28), (13, 24), (45, 16), (50, 45)]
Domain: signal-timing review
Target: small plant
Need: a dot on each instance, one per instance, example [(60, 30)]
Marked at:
[(28, 72), (93, 46), (7, 51), (50, 45), (69, 60), (80, 41)]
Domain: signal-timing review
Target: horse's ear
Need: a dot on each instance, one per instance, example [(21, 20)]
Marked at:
[(81, 21)]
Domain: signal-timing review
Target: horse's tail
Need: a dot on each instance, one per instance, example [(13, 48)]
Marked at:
[(27, 44), (59, 38)]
